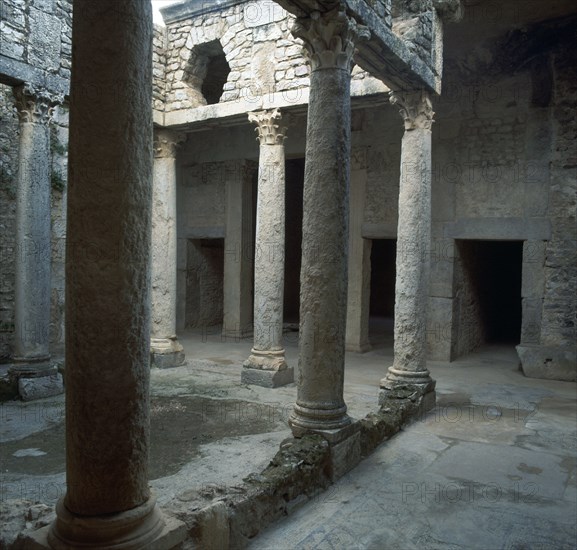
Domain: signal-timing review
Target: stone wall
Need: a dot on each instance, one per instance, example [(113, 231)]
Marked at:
[(9, 133), (37, 35), (254, 42), (560, 293)]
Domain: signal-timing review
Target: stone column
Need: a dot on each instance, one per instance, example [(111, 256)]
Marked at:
[(165, 349), (108, 502), (409, 368), (266, 366), (330, 41), (238, 250), (33, 248)]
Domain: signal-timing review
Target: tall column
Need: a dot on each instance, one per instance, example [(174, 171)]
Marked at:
[(165, 349), (266, 365), (330, 41), (33, 251), (409, 368), (108, 503), (238, 250)]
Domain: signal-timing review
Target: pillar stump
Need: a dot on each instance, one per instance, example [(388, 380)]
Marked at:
[(409, 371), (266, 365), (108, 504), (329, 39), (165, 349)]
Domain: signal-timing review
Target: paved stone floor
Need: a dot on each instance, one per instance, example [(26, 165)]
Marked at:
[(494, 466)]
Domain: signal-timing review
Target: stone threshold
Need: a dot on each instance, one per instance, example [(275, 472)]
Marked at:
[(231, 516)]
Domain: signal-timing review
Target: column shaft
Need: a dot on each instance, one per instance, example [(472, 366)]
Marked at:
[(108, 503), (329, 39), (166, 351), (33, 243), (413, 244), (266, 366)]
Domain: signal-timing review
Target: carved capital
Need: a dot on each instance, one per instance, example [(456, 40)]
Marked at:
[(415, 108), (36, 105), (330, 38), (166, 143), (269, 132)]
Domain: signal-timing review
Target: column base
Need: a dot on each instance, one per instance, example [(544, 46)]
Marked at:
[(143, 527), (36, 380), (166, 353), (325, 421), (267, 368), (399, 384)]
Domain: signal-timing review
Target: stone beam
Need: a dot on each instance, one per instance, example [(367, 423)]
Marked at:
[(384, 55), (15, 73)]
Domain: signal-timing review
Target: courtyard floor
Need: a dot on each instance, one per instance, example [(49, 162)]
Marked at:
[(493, 466)]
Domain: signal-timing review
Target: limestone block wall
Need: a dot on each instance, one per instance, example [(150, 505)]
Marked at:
[(159, 67), (260, 52), (38, 33)]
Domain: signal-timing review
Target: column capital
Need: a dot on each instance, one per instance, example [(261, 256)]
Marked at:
[(330, 38), (166, 142), (415, 107), (35, 104), (269, 132)]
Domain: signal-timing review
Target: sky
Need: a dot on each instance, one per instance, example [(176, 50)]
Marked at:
[(156, 4)]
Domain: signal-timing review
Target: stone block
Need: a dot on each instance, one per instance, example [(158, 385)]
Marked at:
[(267, 378), (532, 312), (44, 49), (167, 360), (440, 328), (548, 362), (40, 387), (533, 275), (344, 456)]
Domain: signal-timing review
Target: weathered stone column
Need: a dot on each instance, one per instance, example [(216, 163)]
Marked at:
[(33, 250), (409, 368), (108, 503), (266, 365), (165, 350), (330, 40)]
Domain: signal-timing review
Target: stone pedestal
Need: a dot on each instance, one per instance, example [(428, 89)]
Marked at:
[(108, 502), (165, 350), (330, 41), (409, 368), (267, 356), (33, 247), (37, 380)]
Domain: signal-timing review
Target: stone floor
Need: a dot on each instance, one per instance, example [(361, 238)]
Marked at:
[(494, 466)]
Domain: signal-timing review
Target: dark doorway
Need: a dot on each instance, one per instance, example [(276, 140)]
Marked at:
[(382, 303), (204, 283), (295, 177), (488, 281)]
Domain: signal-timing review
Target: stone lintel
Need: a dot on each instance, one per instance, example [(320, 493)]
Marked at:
[(15, 73), (548, 362), (501, 229), (267, 378)]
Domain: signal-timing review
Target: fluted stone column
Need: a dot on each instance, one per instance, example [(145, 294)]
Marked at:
[(108, 502), (330, 41), (165, 350), (409, 368), (33, 250), (266, 365)]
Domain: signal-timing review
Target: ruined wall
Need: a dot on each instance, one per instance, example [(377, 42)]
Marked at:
[(259, 50), (159, 68), (37, 35)]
